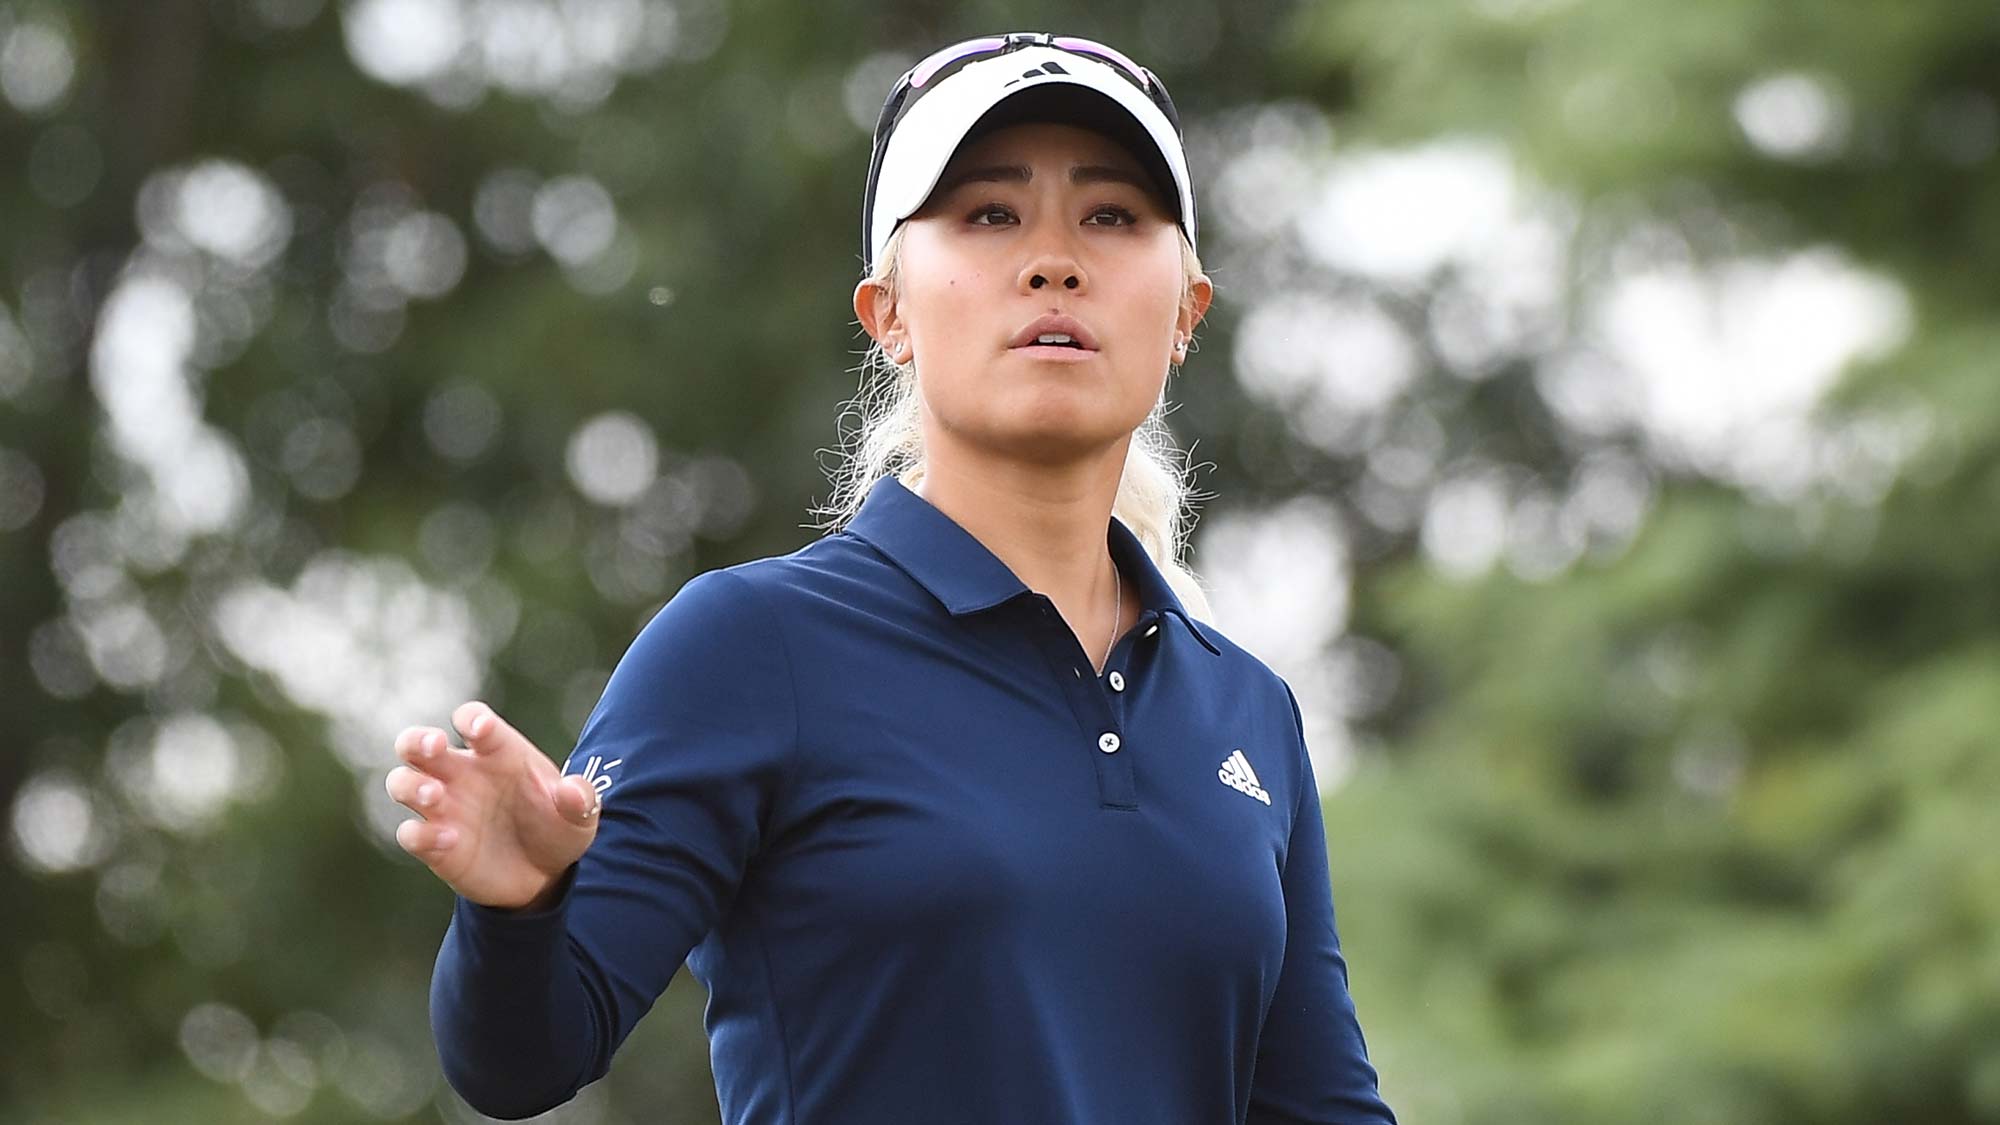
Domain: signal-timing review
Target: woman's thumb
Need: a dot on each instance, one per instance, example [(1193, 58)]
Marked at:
[(577, 800)]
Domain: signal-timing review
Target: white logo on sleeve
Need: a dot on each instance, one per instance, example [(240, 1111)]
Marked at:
[(1237, 774), (597, 771)]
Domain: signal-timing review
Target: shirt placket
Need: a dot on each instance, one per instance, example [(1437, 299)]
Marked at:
[(1098, 702)]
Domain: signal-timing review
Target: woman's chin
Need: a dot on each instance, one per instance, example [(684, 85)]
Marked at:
[(1055, 423)]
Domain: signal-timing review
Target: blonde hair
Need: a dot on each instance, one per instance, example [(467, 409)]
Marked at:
[(1155, 495)]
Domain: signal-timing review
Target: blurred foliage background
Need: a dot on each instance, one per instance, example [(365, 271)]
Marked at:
[(1601, 408)]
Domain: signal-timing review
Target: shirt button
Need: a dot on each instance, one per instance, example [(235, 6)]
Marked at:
[(1152, 630), (1117, 681), (1107, 742)]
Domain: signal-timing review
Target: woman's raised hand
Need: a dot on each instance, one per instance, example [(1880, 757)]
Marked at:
[(501, 823)]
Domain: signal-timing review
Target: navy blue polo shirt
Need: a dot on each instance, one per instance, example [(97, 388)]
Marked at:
[(930, 866)]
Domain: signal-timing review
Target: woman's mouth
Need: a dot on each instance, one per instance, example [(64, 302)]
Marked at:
[(1056, 349), (1055, 338)]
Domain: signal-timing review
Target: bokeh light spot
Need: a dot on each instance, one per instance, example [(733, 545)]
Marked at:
[(57, 824), (461, 420), (613, 457), (36, 66)]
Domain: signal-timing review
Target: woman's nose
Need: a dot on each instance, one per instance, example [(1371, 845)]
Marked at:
[(1051, 268), (1052, 256)]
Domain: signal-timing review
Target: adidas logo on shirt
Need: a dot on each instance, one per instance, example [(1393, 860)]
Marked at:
[(1237, 774)]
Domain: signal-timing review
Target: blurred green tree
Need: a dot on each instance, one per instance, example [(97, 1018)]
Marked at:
[(1695, 832)]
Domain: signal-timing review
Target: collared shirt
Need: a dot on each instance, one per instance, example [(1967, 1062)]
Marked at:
[(931, 866)]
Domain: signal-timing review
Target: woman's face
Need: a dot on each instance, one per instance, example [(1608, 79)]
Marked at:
[(1030, 220)]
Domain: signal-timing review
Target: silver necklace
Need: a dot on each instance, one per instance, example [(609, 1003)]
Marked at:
[(1117, 611)]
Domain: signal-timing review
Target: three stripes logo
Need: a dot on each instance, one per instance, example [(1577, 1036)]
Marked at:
[(1237, 774), (1043, 71)]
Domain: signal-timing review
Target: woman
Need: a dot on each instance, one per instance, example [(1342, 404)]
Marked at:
[(958, 813)]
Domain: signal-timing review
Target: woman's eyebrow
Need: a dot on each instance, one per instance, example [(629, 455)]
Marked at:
[(1021, 173)]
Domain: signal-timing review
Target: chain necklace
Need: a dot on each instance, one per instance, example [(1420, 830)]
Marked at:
[(1117, 610)]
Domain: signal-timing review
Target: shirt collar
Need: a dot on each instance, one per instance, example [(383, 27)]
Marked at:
[(959, 571)]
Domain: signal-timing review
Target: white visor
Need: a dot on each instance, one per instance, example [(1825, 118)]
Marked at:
[(939, 121)]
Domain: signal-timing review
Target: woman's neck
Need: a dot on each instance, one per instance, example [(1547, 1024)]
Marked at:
[(1049, 527)]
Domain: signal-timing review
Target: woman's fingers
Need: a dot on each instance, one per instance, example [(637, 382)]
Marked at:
[(414, 789), (421, 838), (427, 749), (423, 793), (486, 732)]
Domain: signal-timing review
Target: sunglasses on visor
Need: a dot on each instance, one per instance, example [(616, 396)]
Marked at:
[(926, 74)]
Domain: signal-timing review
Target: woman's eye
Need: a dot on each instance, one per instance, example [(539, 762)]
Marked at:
[(1120, 216)]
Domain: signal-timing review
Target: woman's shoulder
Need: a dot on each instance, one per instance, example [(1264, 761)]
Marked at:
[(772, 587), (834, 566)]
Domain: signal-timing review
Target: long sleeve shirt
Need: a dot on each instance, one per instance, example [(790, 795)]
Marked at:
[(930, 864)]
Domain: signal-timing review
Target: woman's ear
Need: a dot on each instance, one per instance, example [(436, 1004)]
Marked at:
[(1201, 292), (877, 313)]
